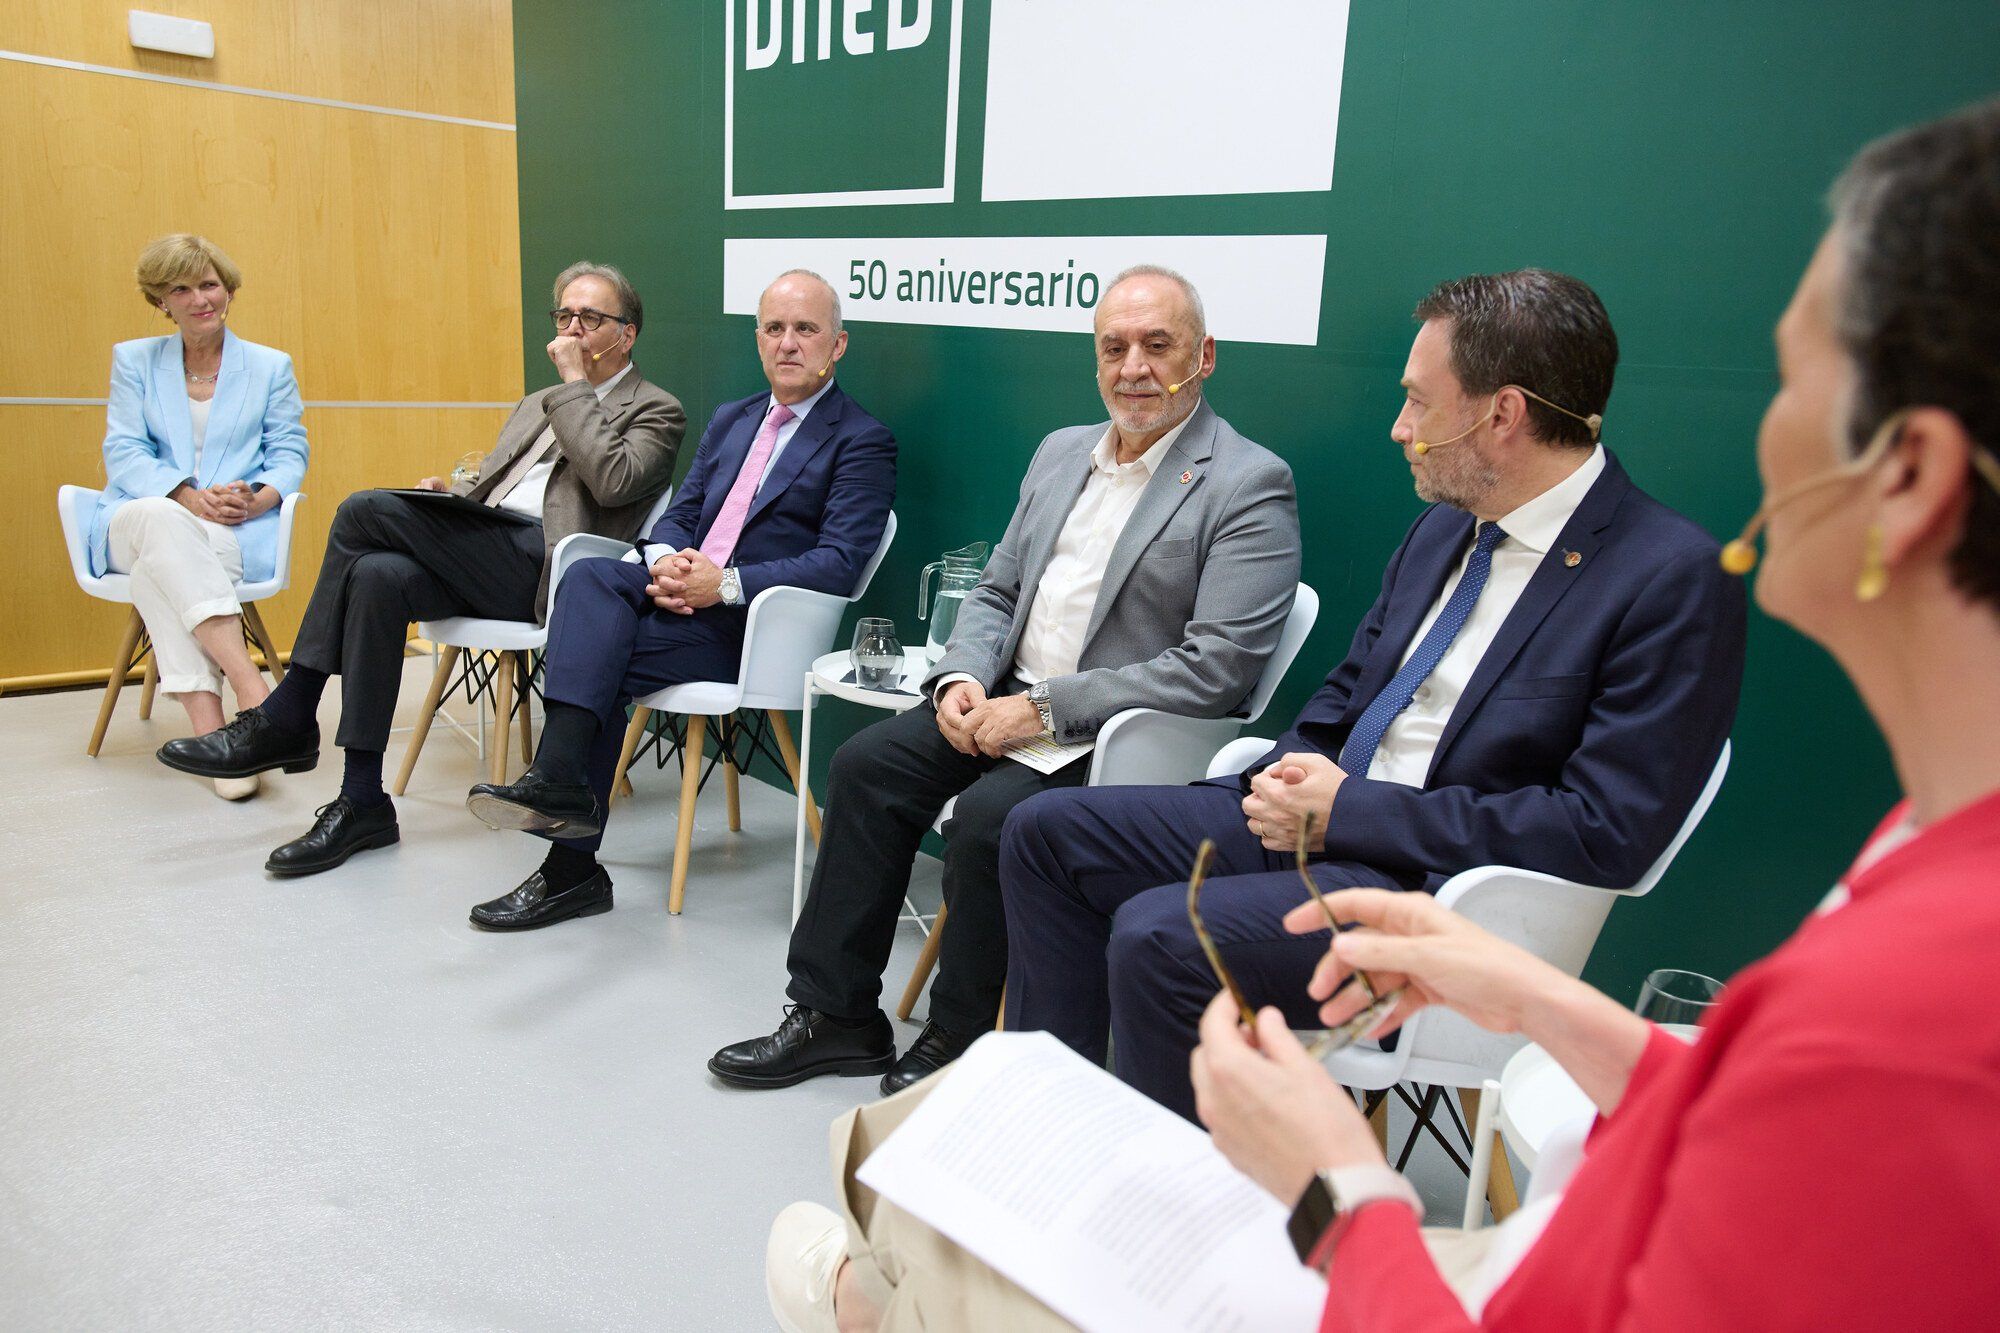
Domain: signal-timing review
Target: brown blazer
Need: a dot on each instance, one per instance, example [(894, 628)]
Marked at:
[(613, 459)]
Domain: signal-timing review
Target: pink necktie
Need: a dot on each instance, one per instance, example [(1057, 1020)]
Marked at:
[(720, 543)]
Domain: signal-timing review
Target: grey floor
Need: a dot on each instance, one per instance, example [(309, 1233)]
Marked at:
[(234, 1102)]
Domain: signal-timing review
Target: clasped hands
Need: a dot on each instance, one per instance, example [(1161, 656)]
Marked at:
[(685, 582), (229, 504), (975, 724), (1298, 785)]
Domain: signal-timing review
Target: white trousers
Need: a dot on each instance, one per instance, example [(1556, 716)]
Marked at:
[(183, 572)]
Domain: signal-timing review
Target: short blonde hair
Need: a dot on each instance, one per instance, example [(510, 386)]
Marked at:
[(183, 257)]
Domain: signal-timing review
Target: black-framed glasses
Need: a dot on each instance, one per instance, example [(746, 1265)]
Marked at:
[(592, 320), (1334, 1039)]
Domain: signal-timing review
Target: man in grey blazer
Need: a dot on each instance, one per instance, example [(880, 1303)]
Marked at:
[(589, 455), (1150, 562)]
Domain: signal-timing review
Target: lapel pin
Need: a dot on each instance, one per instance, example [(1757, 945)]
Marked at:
[(1187, 476), (1572, 558)]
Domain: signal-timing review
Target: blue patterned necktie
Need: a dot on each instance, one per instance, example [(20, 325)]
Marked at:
[(1362, 742)]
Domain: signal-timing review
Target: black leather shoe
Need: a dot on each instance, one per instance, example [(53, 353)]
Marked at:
[(340, 829), (533, 904), (933, 1050), (806, 1045), (243, 748), (536, 805)]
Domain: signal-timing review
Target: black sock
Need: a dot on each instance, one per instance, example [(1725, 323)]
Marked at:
[(566, 867), (294, 704), (361, 783), (568, 732), (850, 1023)]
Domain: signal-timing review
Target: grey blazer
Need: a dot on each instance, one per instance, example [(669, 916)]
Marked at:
[(1195, 593), (614, 459)]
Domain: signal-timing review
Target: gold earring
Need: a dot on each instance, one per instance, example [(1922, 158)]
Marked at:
[(1874, 580)]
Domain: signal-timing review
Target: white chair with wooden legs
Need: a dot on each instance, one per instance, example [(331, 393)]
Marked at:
[(1555, 919), (504, 657), (75, 504), (787, 628), (1144, 746)]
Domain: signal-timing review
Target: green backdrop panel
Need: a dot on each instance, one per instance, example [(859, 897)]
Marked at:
[(1676, 157)]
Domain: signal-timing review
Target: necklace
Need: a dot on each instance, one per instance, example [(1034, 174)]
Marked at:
[(193, 378)]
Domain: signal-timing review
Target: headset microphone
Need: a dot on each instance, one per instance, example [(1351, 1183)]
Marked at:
[(1192, 376), (828, 366), (1595, 421), (596, 357)]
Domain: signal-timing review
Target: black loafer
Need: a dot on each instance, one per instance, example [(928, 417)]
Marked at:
[(536, 805), (806, 1045), (340, 829), (533, 904), (933, 1050), (245, 747)]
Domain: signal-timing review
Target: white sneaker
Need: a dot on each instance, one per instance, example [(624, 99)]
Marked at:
[(807, 1246), (236, 789)]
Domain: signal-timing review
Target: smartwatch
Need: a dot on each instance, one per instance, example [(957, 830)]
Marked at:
[(1332, 1199)]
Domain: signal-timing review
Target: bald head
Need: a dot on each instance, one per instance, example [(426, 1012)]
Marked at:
[(799, 338)]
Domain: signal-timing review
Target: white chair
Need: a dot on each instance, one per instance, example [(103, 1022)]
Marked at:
[(75, 505), (787, 628), (1555, 919), (1142, 746), (505, 656)]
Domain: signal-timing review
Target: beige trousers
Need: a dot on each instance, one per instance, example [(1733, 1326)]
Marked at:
[(921, 1280), (184, 570)]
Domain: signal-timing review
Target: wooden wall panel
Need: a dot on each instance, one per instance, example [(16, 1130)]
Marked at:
[(54, 626), (381, 252), (445, 57)]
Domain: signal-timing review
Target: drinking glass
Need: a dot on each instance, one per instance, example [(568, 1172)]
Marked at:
[(876, 655), (1677, 1000), (467, 468)]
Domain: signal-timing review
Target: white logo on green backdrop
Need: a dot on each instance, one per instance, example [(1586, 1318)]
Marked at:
[(839, 102)]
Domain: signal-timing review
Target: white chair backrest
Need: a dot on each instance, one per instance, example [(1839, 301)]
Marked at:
[(1298, 624), (73, 505), (875, 561), (1700, 808)]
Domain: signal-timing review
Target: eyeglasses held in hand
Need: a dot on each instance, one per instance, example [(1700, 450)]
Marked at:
[(1334, 1039)]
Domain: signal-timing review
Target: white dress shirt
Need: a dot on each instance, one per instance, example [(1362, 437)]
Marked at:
[(800, 411), (1052, 637), (526, 498), (1412, 739)]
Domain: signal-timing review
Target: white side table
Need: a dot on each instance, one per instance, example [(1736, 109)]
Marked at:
[(833, 674)]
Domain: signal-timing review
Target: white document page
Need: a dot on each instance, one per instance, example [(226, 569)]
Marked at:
[(1112, 1210)]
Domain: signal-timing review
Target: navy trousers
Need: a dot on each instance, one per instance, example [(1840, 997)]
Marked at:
[(1098, 939), (608, 644)]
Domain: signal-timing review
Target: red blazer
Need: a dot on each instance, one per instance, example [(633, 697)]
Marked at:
[(1826, 1157)]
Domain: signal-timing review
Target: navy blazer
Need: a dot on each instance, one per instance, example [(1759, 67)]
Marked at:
[(816, 520), (1586, 731)]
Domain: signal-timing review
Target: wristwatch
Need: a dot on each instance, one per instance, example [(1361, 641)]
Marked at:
[(732, 586), (1038, 695), (1331, 1200)]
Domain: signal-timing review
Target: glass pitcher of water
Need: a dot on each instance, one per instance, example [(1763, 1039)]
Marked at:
[(958, 574)]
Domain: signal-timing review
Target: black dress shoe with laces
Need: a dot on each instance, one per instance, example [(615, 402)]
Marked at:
[(933, 1050), (534, 903), (806, 1045), (340, 829), (536, 805), (248, 745)]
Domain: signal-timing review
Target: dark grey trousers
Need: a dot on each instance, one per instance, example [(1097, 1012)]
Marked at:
[(391, 559)]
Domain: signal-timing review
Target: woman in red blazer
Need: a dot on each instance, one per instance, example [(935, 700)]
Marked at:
[(1822, 1156)]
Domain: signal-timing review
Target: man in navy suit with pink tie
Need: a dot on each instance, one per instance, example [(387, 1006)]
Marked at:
[(1545, 681), (790, 487)]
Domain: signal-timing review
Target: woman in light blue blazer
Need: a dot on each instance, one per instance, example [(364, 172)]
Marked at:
[(202, 445)]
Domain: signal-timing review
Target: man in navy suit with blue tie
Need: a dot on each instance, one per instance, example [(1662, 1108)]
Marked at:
[(790, 487), (1545, 681)]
